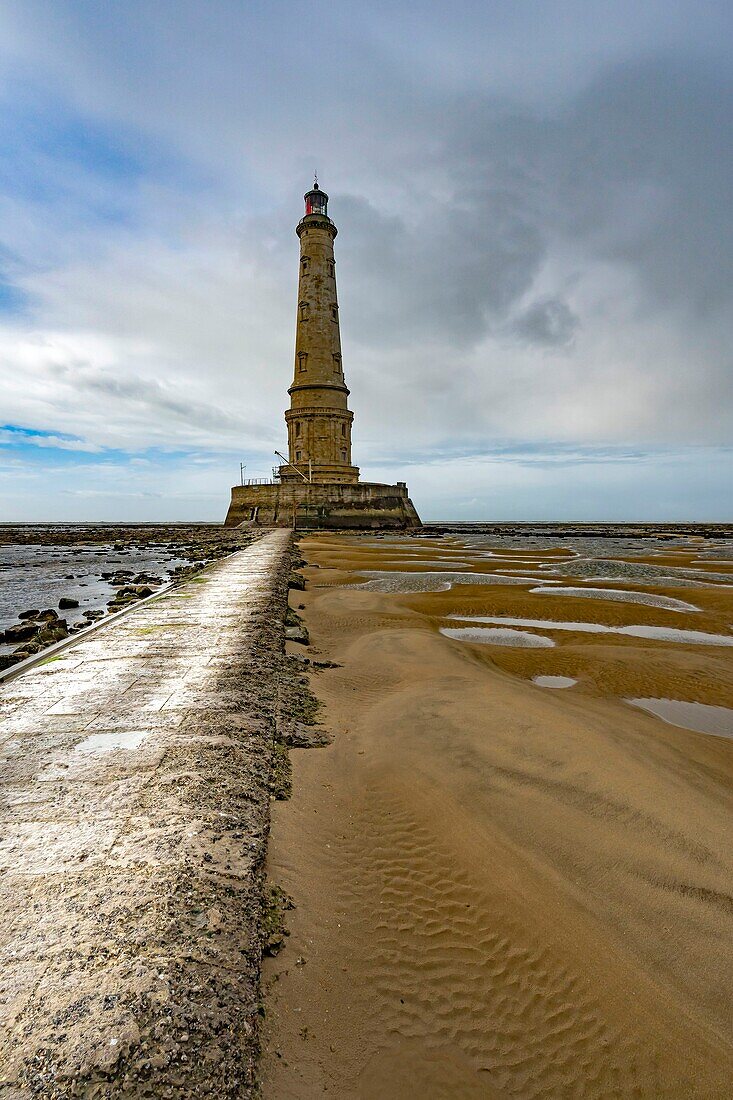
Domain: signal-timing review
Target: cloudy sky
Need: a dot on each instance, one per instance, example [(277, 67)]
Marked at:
[(535, 254)]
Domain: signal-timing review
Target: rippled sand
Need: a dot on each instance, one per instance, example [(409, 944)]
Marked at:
[(503, 891)]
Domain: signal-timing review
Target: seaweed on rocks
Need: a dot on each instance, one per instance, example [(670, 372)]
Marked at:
[(274, 930), (281, 779), (297, 705)]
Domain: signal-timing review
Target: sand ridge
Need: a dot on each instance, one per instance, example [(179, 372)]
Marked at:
[(501, 890)]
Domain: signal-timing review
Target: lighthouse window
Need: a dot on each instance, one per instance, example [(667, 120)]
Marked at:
[(298, 456), (343, 429), (331, 268), (343, 456), (297, 427), (335, 312), (304, 264), (315, 202), (337, 363), (302, 360), (303, 306)]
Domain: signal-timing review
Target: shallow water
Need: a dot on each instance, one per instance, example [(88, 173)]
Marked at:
[(37, 576), (497, 636), (620, 595), (589, 545), (653, 633), (700, 717), (110, 742), (554, 681), (639, 572)]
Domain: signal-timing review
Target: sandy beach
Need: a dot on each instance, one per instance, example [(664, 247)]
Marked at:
[(503, 889)]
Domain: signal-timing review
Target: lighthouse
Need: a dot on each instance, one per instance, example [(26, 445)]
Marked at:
[(318, 420), (317, 486)]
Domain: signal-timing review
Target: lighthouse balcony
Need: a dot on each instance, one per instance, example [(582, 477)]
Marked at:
[(319, 473)]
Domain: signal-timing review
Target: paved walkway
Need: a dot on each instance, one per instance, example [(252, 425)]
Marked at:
[(135, 793)]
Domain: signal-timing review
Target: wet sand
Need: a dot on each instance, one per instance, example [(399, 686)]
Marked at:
[(502, 889)]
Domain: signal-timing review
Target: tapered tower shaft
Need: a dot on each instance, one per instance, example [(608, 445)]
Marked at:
[(319, 419)]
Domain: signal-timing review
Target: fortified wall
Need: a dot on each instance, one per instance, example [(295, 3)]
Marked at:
[(355, 505)]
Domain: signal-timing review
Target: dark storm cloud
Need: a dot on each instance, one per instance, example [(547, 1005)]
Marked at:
[(632, 176), (637, 168), (450, 275), (547, 323), (643, 166)]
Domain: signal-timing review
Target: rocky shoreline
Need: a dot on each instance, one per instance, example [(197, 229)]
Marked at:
[(661, 531), (179, 552)]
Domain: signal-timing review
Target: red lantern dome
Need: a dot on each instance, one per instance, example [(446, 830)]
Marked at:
[(316, 201)]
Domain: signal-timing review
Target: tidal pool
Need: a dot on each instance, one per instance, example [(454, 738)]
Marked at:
[(701, 717), (620, 595), (653, 633), (497, 636), (554, 681)]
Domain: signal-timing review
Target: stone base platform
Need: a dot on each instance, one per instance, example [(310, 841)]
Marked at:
[(327, 505)]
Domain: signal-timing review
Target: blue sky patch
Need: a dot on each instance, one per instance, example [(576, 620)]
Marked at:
[(12, 299), (54, 155)]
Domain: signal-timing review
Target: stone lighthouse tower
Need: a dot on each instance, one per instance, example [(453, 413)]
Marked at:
[(318, 487), (318, 420)]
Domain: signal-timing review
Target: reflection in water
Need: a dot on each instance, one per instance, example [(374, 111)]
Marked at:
[(497, 636), (554, 681), (694, 716), (654, 633)]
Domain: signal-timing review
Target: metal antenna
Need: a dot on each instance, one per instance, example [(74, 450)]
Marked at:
[(298, 472), (315, 181)]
